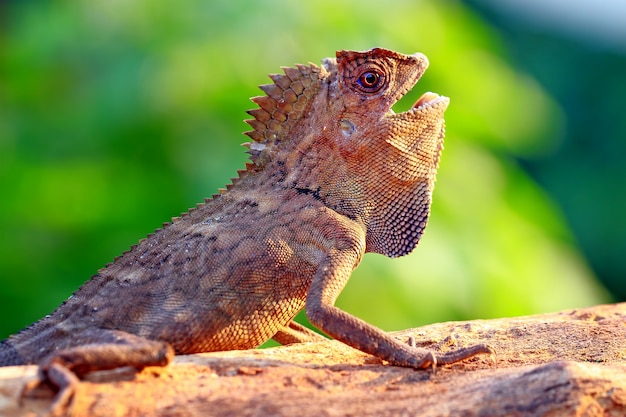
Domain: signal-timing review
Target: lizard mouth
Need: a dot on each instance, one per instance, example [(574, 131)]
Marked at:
[(426, 101), (429, 99)]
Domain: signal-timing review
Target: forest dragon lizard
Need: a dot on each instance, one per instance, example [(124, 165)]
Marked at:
[(334, 173)]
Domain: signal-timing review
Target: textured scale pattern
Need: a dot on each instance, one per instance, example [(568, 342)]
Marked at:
[(334, 173), (284, 104)]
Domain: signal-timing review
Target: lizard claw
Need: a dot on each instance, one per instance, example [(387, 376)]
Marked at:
[(411, 342)]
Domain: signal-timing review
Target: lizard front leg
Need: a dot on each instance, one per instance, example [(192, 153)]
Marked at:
[(328, 282)]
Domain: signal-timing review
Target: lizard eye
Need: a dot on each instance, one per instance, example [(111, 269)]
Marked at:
[(371, 81)]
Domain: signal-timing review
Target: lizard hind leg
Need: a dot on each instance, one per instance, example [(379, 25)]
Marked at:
[(102, 350), (294, 332)]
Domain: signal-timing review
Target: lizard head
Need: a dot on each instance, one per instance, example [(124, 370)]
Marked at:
[(370, 83), (392, 157), (368, 161)]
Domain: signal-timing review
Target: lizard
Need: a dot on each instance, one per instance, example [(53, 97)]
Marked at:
[(333, 173)]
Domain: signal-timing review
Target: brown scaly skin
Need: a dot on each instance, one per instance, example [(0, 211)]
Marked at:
[(334, 174)]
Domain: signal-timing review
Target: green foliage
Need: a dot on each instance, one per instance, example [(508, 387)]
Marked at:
[(116, 116)]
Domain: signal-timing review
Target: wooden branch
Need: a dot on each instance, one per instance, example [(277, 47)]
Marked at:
[(568, 363)]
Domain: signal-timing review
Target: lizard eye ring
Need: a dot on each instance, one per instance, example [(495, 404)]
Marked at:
[(371, 80)]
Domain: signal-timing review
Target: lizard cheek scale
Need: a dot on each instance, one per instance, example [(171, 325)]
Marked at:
[(333, 173)]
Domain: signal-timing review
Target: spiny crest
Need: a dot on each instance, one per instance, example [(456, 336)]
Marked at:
[(279, 110), (286, 101)]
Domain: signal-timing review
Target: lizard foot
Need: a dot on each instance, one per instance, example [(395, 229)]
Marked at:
[(60, 377), (457, 355), (109, 349)]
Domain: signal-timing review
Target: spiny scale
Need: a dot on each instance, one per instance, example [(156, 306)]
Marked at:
[(280, 109)]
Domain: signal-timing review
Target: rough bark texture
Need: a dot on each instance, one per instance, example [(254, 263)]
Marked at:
[(570, 363)]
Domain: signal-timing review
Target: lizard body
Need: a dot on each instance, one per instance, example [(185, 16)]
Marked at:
[(334, 173)]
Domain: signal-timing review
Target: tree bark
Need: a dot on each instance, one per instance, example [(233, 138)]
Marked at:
[(569, 363)]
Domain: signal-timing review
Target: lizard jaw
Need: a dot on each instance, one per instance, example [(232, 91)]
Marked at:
[(430, 99)]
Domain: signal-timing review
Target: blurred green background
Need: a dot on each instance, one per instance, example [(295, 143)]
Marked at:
[(117, 115)]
